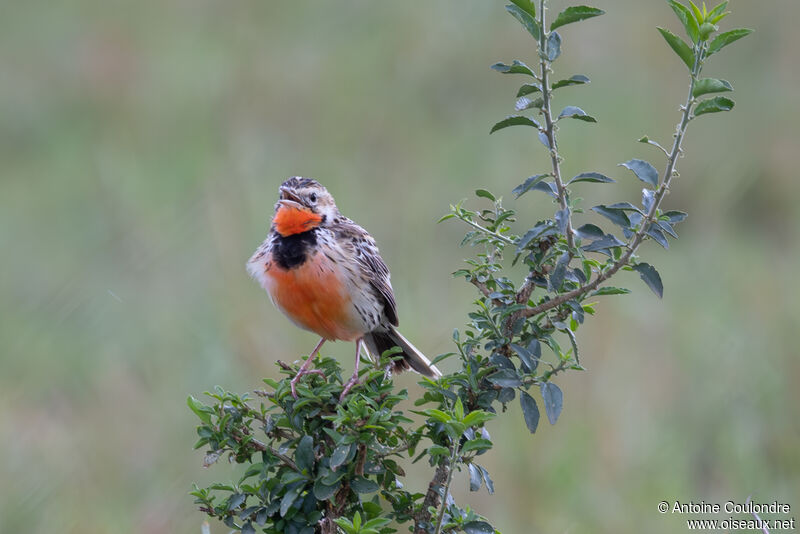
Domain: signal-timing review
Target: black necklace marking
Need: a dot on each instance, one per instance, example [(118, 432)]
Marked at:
[(292, 251)]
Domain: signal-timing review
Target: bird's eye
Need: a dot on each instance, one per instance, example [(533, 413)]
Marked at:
[(312, 197)]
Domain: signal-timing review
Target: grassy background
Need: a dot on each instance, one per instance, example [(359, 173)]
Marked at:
[(141, 146)]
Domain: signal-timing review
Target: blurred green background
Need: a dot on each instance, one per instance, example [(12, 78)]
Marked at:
[(141, 147)]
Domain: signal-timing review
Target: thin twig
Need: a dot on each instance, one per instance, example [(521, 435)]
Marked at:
[(549, 130), (638, 237)]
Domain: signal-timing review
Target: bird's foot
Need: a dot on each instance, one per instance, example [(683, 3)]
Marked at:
[(348, 386), (299, 374)]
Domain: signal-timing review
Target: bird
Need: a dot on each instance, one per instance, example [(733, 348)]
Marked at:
[(325, 273)]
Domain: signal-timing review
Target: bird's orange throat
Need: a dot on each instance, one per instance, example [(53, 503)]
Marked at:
[(293, 218)]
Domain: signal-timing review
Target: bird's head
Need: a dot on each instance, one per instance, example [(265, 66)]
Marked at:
[(303, 205)]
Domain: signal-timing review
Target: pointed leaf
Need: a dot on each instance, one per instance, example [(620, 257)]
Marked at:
[(710, 85), (713, 105), (505, 378), (658, 236), (483, 193), (528, 184), (523, 17), (651, 277), (616, 216), (529, 88), (289, 497), (562, 217), (674, 217), (589, 231), (514, 120), (524, 103), (516, 67), (475, 477), (489, 487), (643, 170), (679, 46), (607, 241), (648, 196), (594, 177), (557, 276), (304, 454), (553, 401), (611, 291), (527, 6), (724, 39), (578, 79), (553, 46), (544, 140), (478, 527), (687, 19), (574, 112), (575, 14), (716, 14), (530, 411)]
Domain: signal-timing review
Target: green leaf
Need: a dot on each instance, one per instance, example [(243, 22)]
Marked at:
[(323, 492), (553, 46), (304, 454), (530, 411), (594, 177), (478, 527), (589, 231), (376, 523), (674, 217), (724, 39), (651, 277), (687, 19), (553, 401), (514, 120), (483, 193), (200, 410), (557, 276), (458, 410), (718, 13), (478, 444), (643, 170), (289, 497), (544, 140), (713, 105), (575, 14), (505, 378), (574, 112), (248, 528), (527, 6), (363, 485), (523, 17), (530, 355), (516, 67), (578, 79), (477, 417), (609, 290), (529, 88), (607, 241), (341, 455), (357, 521), (710, 85), (526, 186), (616, 216), (678, 45), (475, 477), (524, 103)]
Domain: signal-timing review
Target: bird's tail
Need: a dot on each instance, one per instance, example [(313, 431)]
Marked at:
[(379, 341)]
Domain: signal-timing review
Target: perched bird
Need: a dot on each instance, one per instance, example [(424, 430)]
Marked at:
[(324, 272)]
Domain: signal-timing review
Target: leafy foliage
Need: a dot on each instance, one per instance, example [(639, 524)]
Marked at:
[(314, 464)]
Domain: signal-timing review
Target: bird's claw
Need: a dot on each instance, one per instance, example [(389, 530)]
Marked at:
[(348, 386), (299, 374)]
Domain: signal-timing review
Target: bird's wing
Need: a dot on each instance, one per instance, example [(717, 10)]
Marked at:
[(363, 249)]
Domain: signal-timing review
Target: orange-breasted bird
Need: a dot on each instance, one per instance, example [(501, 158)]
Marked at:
[(324, 272)]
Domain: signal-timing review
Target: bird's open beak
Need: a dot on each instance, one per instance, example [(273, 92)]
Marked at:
[(288, 197)]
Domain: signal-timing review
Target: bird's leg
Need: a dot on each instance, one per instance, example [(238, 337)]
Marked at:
[(304, 369), (353, 379)]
